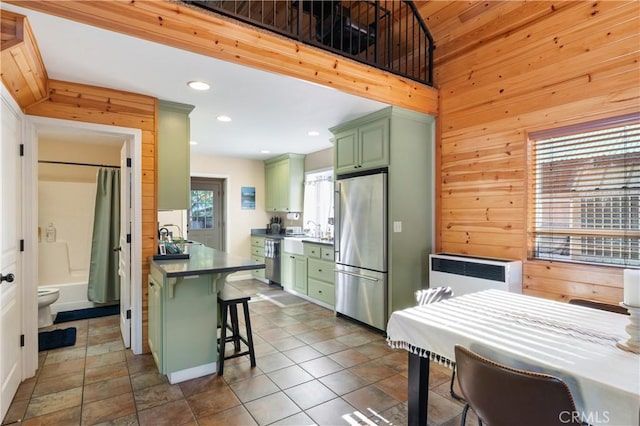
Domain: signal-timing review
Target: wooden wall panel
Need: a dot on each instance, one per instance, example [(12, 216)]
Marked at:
[(71, 101), (551, 64)]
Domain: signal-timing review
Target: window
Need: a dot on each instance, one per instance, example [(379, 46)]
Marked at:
[(201, 212), (586, 193), (318, 202)]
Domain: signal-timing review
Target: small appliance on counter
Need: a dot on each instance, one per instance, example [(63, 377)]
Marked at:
[(294, 231), (167, 249)]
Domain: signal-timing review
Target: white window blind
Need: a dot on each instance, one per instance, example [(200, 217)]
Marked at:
[(586, 193)]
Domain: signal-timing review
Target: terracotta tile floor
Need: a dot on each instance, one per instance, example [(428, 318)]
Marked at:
[(313, 368)]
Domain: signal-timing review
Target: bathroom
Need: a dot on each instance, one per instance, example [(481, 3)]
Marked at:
[(66, 200)]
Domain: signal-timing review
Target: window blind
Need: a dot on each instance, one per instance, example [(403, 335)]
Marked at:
[(586, 193)]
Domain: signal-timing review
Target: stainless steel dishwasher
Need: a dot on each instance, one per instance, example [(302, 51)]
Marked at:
[(272, 260)]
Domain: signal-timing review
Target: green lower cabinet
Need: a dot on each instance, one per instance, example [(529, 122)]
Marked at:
[(182, 323), (324, 292), (320, 273), (258, 273), (257, 255), (155, 315), (294, 272), (300, 274)]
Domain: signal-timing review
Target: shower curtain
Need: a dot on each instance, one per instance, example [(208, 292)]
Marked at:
[(104, 280)]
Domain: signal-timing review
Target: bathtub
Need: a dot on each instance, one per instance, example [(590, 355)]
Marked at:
[(54, 272)]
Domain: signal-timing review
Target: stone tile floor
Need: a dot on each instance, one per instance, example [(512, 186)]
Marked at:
[(312, 368)]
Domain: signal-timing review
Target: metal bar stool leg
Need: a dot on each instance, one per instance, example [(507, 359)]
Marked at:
[(235, 327), (247, 323), (223, 339)]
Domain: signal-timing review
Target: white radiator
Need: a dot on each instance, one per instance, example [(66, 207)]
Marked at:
[(468, 274)]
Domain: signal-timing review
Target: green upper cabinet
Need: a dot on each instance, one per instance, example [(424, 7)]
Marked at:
[(284, 183), (362, 144), (173, 156)]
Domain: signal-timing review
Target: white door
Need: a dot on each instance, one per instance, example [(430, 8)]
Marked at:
[(10, 233), (124, 264)]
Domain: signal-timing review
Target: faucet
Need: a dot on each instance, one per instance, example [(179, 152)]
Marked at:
[(316, 232)]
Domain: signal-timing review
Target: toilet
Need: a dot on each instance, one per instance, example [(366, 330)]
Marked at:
[(45, 299)]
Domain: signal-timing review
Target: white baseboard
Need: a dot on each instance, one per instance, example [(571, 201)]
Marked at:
[(192, 373)]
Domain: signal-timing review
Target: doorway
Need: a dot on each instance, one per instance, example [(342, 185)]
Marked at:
[(131, 140), (207, 212)]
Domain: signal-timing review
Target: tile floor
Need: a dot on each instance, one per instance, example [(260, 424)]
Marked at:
[(312, 368)]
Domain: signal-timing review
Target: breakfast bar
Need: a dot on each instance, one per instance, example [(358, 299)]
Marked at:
[(183, 311)]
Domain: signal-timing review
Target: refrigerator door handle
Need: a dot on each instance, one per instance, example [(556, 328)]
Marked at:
[(364, 277), (336, 228)]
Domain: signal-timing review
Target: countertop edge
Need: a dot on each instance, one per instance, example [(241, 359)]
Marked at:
[(262, 233), (214, 271)]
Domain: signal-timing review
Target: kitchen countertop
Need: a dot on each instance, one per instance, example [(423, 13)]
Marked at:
[(205, 260), (261, 232), (328, 243), (305, 239)]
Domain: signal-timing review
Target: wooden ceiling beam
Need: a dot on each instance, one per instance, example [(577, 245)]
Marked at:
[(178, 25), (23, 71)]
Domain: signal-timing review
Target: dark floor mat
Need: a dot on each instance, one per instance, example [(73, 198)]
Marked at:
[(101, 311), (56, 339)]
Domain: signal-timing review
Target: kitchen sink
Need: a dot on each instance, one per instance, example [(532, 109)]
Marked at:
[(294, 245)]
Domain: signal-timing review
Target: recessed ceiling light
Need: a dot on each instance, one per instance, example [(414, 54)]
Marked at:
[(224, 118), (198, 85), (193, 143), (313, 133), (265, 151)]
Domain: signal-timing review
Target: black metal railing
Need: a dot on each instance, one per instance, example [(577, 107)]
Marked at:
[(386, 34)]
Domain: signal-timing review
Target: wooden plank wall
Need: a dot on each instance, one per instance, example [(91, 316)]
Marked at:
[(508, 68), (72, 101)]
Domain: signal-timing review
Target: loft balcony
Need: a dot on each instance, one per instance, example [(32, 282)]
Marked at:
[(387, 34)]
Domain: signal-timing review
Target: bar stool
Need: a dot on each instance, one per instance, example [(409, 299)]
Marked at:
[(228, 301)]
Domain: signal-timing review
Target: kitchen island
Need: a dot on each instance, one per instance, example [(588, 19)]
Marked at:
[(183, 310)]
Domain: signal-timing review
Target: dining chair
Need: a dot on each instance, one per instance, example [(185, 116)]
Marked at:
[(505, 396), (432, 295), (599, 305)]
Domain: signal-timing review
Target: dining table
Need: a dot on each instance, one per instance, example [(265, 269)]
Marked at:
[(574, 343)]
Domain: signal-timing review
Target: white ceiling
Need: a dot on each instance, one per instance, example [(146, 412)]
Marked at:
[(269, 111)]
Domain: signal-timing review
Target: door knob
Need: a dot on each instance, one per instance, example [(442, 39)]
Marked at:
[(8, 278), (117, 249)]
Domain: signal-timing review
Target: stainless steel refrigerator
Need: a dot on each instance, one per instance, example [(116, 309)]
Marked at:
[(361, 247)]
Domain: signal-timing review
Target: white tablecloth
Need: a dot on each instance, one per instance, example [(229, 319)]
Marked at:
[(574, 343)]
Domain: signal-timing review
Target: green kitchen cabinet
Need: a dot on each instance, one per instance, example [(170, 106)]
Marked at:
[(272, 183), (155, 315), (320, 273), (284, 183), (257, 255), (173, 156), (294, 272), (361, 145), (403, 142), (182, 322)]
